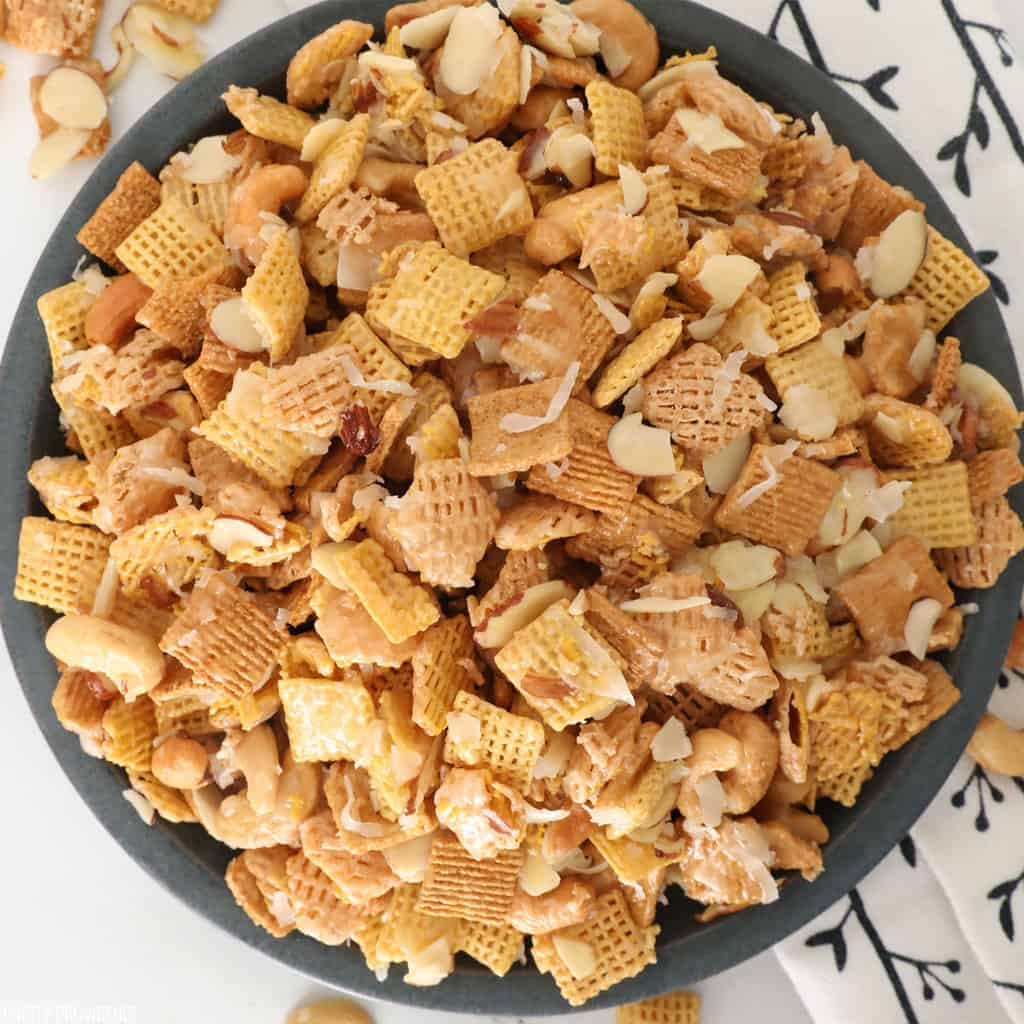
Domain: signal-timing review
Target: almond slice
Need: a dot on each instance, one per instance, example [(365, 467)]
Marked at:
[(671, 742), (498, 629), (707, 131), (640, 449), (56, 151), (634, 189), (722, 469), (73, 99), (578, 956), (228, 532), (470, 52), (125, 60), (615, 56), (726, 278), (921, 621), (899, 253), (320, 136), (209, 162), (166, 40), (672, 75), (537, 876), (231, 322), (429, 31)]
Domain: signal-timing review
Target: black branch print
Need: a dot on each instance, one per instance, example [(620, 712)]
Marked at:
[(874, 84), (976, 126), (986, 258), (927, 971), (1003, 894), (1008, 676), (909, 850), (1009, 986), (984, 788)]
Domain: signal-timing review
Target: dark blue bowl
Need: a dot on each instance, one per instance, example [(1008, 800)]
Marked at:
[(187, 861)]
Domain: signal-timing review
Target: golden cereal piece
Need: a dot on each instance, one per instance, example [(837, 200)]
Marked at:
[(311, 393), (476, 198), (407, 930), (520, 571), (903, 434), (937, 508), (59, 565), (439, 436), (267, 118), (209, 201), (63, 313), (509, 745), (335, 169), (947, 281), (991, 474), (320, 912), (784, 165), (136, 197), (636, 360), (1000, 537), (623, 949), (944, 376), (171, 242), (794, 310), (400, 607), (536, 520), (844, 729), (497, 947), (807, 634), (328, 719), (167, 802), (442, 667), (617, 127), (674, 1008), (814, 365), (311, 76), (631, 861), (457, 885), (874, 206), (176, 313), (129, 730), (65, 488), (250, 896), (276, 296)]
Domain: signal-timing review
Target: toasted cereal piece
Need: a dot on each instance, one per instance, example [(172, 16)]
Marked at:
[(59, 565), (940, 695), (881, 593), (520, 571), (224, 638), (686, 703), (65, 488), (805, 633), (276, 296), (335, 168), (690, 396), (617, 127), (794, 310), (457, 885), (784, 165), (175, 312), (639, 648), (947, 281), (328, 719), (141, 372), (494, 450), (847, 441), (359, 878), (497, 947), (991, 474), (903, 434), (788, 716), (875, 205), (732, 172), (1000, 537), (80, 701), (439, 436), (535, 521), (209, 201), (622, 949), (407, 932), (129, 730), (627, 802), (310, 394), (629, 860), (944, 375), (316, 68), (248, 895), (51, 27), (556, 236), (445, 523), (442, 667), (167, 802), (588, 476), (555, 647), (400, 607), (937, 508), (815, 365), (237, 425), (430, 301), (320, 912), (509, 745), (787, 514), (319, 255), (843, 730), (674, 1008), (136, 197), (476, 198), (559, 323), (63, 313), (180, 711), (636, 360), (171, 242), (267, 118)]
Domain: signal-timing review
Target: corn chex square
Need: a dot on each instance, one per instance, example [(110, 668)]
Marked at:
[(947, 281), (497, 947), (617, 126), (136, 196), (674, 1008), (937, 507), (328, 719), (59, 565), (815, 365), (267, 118), (441, 667), (63, 313), (335, 169), (794, 309)]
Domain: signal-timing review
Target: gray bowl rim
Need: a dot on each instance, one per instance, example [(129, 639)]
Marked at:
[(189, 864)]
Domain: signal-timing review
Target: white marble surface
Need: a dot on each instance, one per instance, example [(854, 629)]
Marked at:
[(89, 937)]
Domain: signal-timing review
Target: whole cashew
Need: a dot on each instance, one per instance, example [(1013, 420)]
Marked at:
[(714, 750), (564, 906), (633, 33), (746, 784), (997, 747), (111, 318), (180, 762), (256, 758), (266, 190), (554, 235), (534, 113), (391, 180), (132, 660)]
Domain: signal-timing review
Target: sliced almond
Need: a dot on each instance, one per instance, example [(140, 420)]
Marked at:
[(809, 411), (743, 566), (320, 136), (525, 71), (471, 49), (56, 151), (707, 131), (572, 153), (227, 532), (857, 552), (409, 860), (537, 876), (619, 321), (980, 389), (209, 162), (899, 254), (577, 955), (166, 40), (726, 278), (73, 99), (672, 75), (640, 449), (755, 602), (357, 268), (231, 322), (671, 742), (722, 469), (388, 63), (615, 56), (920, 360), (498, 629), (429, 31), (921, 621), (634, 189), (664, 605)]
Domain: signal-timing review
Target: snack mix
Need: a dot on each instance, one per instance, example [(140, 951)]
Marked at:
[(515, 476)]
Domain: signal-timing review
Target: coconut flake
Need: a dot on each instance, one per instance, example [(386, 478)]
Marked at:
[(921, 358), (619, 321), (555, 469), (885, 501), (727, 375), (822, 139), (176, 477), (920, 622), (633, 399), (463, 728), (671, 743), (90, 277), (771, 460), (357, 380), (556, 756), (519, 423), (145, 810), (106, 590), (707, 131), (541, 815), (370, 495), (809, 412), (711, 797), (209, 162), (666, 605), (750, 848)]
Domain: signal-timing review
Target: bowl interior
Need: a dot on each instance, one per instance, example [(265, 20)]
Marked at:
[(184, 858)]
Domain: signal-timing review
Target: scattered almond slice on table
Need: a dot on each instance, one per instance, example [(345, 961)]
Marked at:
[(481, 550)]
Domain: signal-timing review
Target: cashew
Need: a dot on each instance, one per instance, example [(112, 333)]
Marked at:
[(564, 906), (534, 113), (858, 374), (180, 763), (562, 837), (631, 32), (802, 824), (789, 712), (132, 660), (265, 190), (713, 751), (554, 235), (792, 852), (997, 747), (747, 783), (330, 1011), (111, 318), (392, 180), (256, 759)]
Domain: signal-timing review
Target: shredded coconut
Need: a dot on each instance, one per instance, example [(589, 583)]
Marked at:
[(357, 380), (771, 461), (519, 423), (619, 321), (725, 378)]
